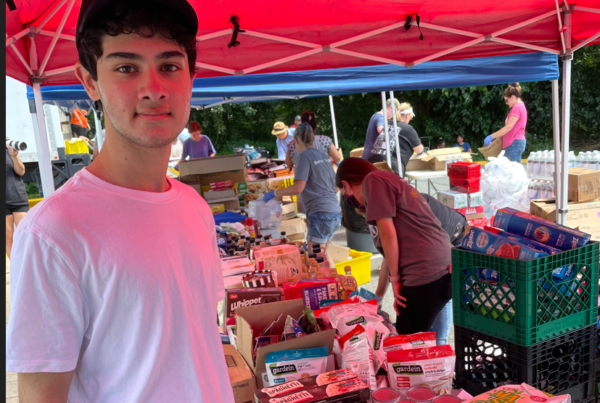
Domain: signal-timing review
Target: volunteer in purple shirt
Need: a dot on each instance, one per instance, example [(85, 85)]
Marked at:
[(513, 132), (197, 146), (412, 240)]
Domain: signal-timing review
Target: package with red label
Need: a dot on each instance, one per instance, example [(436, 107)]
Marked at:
[(344, 318), (482, 241), (409, 341), (282, 259), (471, 210), (222, 185), (348, 391), (293, 290), (356, 355), (464, 170), (518, 394), (307, 382), (480, 222), (430, 366)]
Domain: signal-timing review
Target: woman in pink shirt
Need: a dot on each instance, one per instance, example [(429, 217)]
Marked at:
[(513, 132)]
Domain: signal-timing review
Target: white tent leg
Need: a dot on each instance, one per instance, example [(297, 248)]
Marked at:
[(335, 138), (99, 134), (398, 152), (557, 149), (41, 142), (385, 127), (561, 216)]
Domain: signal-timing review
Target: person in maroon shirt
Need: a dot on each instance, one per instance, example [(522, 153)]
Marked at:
[(413, 242)]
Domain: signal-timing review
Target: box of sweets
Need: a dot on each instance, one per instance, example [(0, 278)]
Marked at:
[(347, 391), (540, 230), (293, 290), (482, 241), (525, 241), (283, 259), (313, 296)]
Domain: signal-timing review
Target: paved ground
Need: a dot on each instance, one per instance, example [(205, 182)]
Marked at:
[(340, 239)]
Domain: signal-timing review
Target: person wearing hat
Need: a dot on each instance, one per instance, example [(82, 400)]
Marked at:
[(285, 136), (120, 306), (297, 121)]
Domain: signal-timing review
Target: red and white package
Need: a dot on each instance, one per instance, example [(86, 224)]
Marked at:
[(222, 185), (409, 341), (344, 318), (376, 334), (518, 394), (430, 366), (356, 355)]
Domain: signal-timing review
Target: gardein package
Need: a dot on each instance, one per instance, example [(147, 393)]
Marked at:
[(540, 230), (409, 341), (289, 365), (479, 240), (430, 366)]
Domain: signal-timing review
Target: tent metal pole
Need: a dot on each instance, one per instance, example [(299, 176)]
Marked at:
[(561, 216), (584, 43), (557, 149), (55, 38), (335, 138), (385, 127), (41, 141), (60, 70), (99, 134), (397, 138)]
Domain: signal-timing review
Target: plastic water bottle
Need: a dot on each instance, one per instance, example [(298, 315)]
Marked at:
[(544, 190), (530, 164), (453, 159), (448, 162), (551, 166), (596, 160), (579, 161), (460, 158), (572, 162), (551, 190), (544, 166), (589, 156)]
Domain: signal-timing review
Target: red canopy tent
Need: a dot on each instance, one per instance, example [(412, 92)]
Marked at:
[(319, 34)]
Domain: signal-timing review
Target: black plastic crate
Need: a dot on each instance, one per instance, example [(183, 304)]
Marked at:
[(561, 365), (591, 399), (598, 351)]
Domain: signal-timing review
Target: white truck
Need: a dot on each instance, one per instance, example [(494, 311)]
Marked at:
[(19, 126)]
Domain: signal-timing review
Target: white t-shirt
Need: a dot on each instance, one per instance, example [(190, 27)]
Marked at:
[(121, 286)]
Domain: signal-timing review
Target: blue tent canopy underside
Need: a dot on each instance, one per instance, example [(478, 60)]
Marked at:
[(315, 83)]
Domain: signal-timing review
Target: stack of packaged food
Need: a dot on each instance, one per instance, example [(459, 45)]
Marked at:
[(464, 195)]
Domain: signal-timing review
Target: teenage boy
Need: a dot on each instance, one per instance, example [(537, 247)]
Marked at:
[(119, 306)]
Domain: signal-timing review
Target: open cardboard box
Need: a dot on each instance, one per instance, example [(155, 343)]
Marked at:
[(252, 320), (580, 214), (435, 160), (357, 152), (241, 376), (493, 150), (204, 171), (584, 184)]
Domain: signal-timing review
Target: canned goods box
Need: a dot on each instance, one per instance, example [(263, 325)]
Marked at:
[(454, 200)]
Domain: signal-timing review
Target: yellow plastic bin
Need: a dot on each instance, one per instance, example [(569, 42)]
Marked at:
[(76, 146), (33, 202), (360, 265)]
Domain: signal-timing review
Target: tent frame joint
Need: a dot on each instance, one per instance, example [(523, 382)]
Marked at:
[(409, 65), (568, 56), (36, 79), (488, 38), (238, 73)]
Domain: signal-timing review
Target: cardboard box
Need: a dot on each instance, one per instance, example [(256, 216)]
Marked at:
[(293, 227), (251, 321), (357, 152), (283, 259), (257, 187), (383, 166), (454, 200), (586, 214), (241, 376), (435, 160), (281, 182), (197, 187), (218, 195), (584, 184), (288, 211), (232, 203), (593, 230), (236, 298), (493, 150), (213, 169), (471, 217), (475, 199), (469, 211)]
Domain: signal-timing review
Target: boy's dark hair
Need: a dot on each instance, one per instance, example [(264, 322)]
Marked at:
[(441, 141), (133, 17)]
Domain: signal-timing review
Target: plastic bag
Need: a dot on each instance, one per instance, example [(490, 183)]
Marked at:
[(268, 214), (504, 184)]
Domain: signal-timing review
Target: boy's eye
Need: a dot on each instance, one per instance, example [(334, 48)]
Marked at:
[(125, 69), (171, 67)]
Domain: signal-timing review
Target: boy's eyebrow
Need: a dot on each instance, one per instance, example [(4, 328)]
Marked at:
[(134, 56)]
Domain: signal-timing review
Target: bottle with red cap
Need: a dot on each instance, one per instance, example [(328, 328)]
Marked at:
[(250, 227)]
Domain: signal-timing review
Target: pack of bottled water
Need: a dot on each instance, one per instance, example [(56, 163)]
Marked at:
[(541, 164)]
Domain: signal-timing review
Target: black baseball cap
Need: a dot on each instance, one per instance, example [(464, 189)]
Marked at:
[(93, 9)]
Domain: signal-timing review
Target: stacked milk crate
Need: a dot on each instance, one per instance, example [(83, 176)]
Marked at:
[(526, 321), (464, 195)]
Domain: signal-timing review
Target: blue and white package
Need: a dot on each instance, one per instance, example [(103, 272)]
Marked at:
[(525, 241), (291, 365), (540, 230), (479, 240), (313, 296)]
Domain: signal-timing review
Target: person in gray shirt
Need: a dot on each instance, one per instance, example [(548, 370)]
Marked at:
[(314, 180)]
